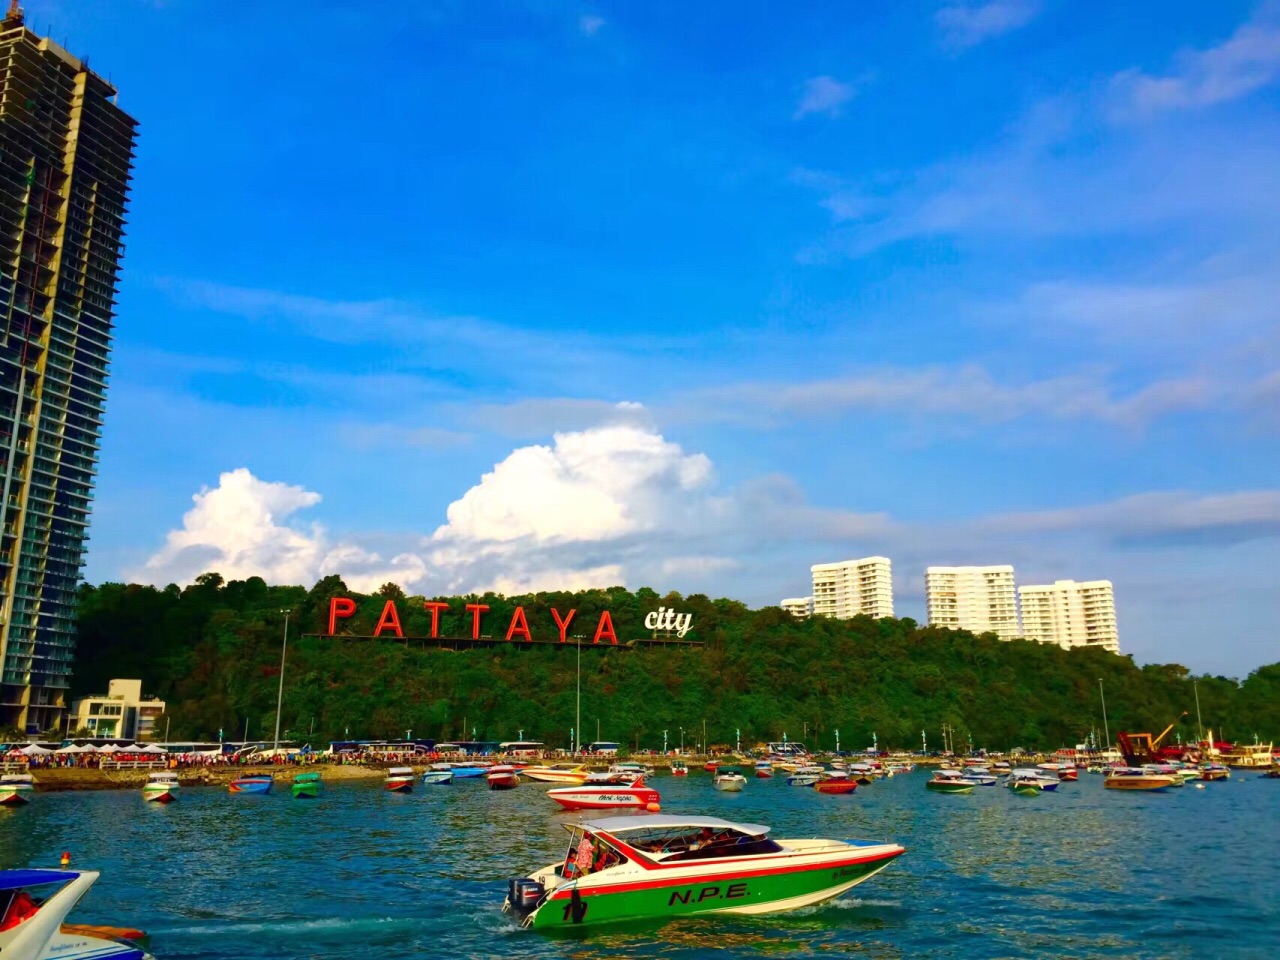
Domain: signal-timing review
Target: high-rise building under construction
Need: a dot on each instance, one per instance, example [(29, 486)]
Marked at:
[(66, 150)]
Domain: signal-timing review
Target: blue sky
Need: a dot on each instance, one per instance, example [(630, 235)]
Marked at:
[(519, 295)]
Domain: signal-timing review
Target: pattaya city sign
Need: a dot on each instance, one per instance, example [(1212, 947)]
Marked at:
[(389, 624), (668, 621)]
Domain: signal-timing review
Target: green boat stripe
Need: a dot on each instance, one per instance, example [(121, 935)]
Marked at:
[(686, 879)]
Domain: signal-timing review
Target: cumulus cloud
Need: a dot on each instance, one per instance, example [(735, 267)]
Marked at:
[(246, 527), (1247, 61), (966, 25), (823, 94)]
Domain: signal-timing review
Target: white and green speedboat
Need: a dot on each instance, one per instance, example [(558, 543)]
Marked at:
[(658, 867)]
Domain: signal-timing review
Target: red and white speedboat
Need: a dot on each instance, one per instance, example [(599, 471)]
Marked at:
[(764, 769), (836, 781), (503, 777), (632, 795), (399, 780)]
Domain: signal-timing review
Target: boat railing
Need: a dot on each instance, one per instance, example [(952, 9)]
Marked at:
[(12, 767)]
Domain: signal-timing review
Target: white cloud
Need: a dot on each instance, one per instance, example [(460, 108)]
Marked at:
[(1247, 61), (823, 94), (966, 25), (590, 24), (244, 528)]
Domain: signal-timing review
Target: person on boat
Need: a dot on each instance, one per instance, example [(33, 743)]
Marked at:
[(586, 855), (20, 907)]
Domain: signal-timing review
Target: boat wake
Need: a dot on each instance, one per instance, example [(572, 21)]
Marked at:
[(319, 926), (840, 903)]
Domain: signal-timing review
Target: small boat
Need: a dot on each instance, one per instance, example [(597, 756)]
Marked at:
[(568, 773), (465, 771), (631, 769), (161, 787), (630, 868), (633, 795), (16, 789), (1025, 785), (1272, 774), (729, 779), (503, 777), (1063, 771), (1165, 770), (764, 769), (711, 766), (1135, 778), (306, 786), (438, 773), (679, 769), (258, 783), (32, 925), (979, 776), (805, 775), (1047, 780), (837, 781), (1214, 771), (949, 781), (399, 780)]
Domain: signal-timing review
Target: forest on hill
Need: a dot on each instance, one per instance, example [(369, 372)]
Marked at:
[(212, 651)]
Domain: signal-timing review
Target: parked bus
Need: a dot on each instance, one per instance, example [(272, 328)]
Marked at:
[(605, 747)]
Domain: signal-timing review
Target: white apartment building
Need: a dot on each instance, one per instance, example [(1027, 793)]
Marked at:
[(1071, 614), (980, 599), (799, 607), (853, 587), (122, 712)]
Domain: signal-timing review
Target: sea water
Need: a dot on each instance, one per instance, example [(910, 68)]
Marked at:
[(362, 873)]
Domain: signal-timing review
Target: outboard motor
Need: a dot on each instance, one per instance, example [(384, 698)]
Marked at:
[(523, 895)]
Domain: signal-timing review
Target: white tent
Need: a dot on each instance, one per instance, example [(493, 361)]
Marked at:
[(35, 750), (131, 748), (69, 748), (108, 748), (152, 748)]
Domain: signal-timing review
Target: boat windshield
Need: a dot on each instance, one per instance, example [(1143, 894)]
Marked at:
[(673, 843)]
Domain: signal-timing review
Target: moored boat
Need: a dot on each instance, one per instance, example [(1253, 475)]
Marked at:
[(634, 795), (257, 783), (306, 786), (468, 770), (503, 777), (949, 781), (764, 769), (16, 789), (399, 780), (836, 781), (805, 775), (161, 787), (1024, 784), (1214, 771), (1046, 779), (628, 868), (566, 773), (979, 776), (438, 773), (1135, 778), (32, 925), (729, 779), (679, 768)]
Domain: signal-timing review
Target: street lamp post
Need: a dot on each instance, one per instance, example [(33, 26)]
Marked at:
[(682, 739), (664, 741), (284, 644), (166, 729), (577, 719)]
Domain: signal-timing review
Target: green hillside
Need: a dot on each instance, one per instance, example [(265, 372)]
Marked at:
[(212, 650)]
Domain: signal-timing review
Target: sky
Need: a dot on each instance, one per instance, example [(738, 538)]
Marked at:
[(533, 295)]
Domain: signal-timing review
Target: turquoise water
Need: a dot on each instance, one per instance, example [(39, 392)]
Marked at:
[(361, 873)]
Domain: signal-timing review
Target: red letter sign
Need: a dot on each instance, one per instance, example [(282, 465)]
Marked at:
[(605, 629), (519, 625), (435, 606), (476, 610), (563, 624), (390, 619), (339, 607)]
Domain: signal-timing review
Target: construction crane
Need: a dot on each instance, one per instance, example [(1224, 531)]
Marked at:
[(1140, 748)]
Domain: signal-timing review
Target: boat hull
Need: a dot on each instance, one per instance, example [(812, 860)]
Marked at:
[(836, 786), (503, 781), (1150, 783), (251, 785), (567, 778), (1027, 789), (730, 785), (161, 795), (10, 797), (437, 776), (949, 786), (399, 785), (466, 773), (604, 798), (804, 780), (748, 889)]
